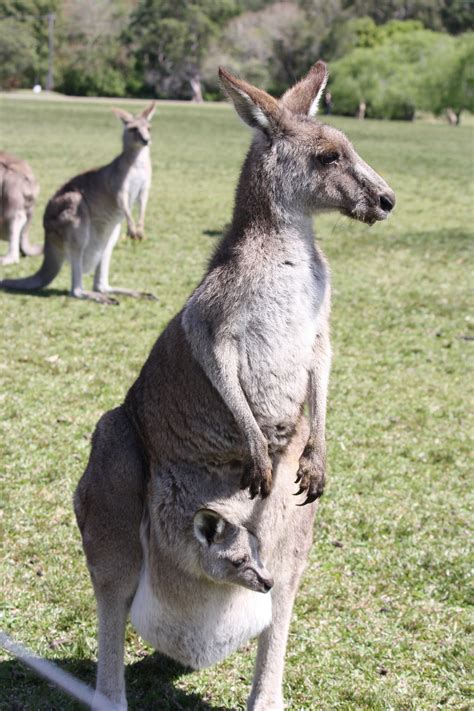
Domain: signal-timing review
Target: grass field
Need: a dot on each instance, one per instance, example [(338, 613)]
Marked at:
[(382, 618)]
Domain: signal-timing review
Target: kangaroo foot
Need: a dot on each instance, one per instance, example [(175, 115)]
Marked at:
[(9, 259), (96, 296), (311, 474)]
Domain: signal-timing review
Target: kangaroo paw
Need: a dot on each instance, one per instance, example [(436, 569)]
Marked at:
[(257, 476), (311, 474)]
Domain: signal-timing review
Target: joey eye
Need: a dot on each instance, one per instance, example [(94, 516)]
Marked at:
[(240, 561), (328, 158)]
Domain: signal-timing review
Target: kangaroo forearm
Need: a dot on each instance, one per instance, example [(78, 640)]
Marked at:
[(219, 359), (123, 203), (142, 203), (318, 389)]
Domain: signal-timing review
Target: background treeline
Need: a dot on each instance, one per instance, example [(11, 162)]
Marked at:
[(392, 56)]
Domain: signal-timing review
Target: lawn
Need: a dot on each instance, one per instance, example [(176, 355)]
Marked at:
[(382, 617)]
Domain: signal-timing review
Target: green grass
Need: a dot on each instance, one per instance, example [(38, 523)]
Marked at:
[(382, 617)]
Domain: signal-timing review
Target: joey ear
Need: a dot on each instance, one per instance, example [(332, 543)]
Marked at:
[(304, 97), (254, 106), (208, 526), (124, 116), (149, 111)]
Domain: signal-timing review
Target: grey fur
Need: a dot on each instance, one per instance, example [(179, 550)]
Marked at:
[(218, 407), (82, 220), (19, 191)]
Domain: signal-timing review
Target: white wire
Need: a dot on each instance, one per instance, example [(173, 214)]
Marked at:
[(65, 681)]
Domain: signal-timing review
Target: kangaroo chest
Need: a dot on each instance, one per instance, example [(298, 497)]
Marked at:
[(279, 329), (135, 182)]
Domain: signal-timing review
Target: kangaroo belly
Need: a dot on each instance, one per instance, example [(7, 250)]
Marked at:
[(200, 624)]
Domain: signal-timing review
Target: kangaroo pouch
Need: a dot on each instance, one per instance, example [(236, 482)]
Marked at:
[(195, 621)]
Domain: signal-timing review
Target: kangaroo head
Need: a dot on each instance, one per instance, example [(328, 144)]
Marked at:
[(307, 166), (136, 131), (229, 553)]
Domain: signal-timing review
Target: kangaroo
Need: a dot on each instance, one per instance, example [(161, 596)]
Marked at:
[(82, 219), (19, 191), (218, 406)]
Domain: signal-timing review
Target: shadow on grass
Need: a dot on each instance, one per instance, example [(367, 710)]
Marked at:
[(149, 685), (41, 293)]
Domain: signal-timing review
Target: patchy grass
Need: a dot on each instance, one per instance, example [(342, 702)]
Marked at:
[(381, 620)]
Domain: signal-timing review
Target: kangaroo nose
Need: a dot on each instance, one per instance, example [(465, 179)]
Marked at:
[(387, 202)]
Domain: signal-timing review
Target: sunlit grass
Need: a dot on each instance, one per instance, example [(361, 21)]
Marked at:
[(381, 620)]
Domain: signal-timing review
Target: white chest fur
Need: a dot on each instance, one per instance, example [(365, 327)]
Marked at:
[(200, 624)]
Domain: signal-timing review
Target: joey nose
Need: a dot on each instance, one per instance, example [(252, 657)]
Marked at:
[(267, 583), (387, 201)]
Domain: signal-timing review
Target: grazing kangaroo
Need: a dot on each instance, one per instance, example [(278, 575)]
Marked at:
[(19, 191), (218, 405), (82, 220)]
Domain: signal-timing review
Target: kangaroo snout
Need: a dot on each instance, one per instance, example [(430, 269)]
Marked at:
[(387, 201)]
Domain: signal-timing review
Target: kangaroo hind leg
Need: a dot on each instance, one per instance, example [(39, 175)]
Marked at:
[(108, 504), (101, 276), (15, 225)]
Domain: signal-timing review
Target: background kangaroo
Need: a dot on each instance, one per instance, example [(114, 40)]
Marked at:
[(19, 191), (219, 401), (82, 220)]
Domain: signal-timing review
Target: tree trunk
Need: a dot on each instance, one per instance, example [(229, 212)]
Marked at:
[(195, 82)]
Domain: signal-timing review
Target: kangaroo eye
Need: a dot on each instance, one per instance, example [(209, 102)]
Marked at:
[(328, 158)]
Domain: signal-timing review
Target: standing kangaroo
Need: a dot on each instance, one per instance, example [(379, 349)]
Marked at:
[(19, 191), (82, 220), (218, 405)]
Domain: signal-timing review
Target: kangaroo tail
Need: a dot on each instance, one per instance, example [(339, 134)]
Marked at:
[(52, 263)]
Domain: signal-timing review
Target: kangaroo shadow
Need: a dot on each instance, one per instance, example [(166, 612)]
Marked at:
[(149, 685), (39, 293)]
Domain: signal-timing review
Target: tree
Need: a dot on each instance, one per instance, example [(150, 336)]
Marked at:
[(18, 57), (272, 47), (169, 39), (454, 16), (31, 24), (450, 83), (89, 56), (393, 77)]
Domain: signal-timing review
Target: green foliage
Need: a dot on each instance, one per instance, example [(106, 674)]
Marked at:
[(450, 15), (169, 39), (382, 53), (450, 83), (26, 62), (81, 80), (409, 69), (18, 55), (383, 617)]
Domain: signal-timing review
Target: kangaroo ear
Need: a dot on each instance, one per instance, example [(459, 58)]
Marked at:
[(208, 526), (254, 106), (149, 111), (124, 116), (304, 97)]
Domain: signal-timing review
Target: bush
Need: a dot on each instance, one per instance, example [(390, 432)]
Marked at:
[(393, 79), (78, 82)]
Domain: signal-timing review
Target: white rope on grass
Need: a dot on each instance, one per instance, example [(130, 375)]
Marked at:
[(62, 679)]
